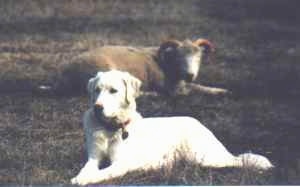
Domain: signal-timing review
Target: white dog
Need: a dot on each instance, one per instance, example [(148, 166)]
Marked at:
[(115, 130)]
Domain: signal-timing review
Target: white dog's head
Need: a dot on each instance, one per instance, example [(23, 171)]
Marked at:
[(113, 94)]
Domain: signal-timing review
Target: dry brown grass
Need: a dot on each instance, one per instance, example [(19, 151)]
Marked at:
[(41, 139)]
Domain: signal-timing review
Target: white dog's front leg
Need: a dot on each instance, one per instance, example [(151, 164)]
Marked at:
[(87, 173), (116, 169), (113, 171)]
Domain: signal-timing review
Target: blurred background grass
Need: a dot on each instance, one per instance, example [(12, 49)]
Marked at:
[(41, 140)]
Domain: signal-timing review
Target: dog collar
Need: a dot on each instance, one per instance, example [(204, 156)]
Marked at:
[(126, 123), (121, 126)]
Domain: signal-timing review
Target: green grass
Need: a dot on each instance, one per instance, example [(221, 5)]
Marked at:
[(41, 138)]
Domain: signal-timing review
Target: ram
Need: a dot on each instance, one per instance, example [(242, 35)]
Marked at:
[(170, 68)]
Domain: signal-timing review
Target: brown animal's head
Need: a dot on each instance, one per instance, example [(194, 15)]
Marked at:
[(182, 60)]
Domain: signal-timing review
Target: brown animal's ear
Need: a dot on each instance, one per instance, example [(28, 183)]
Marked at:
[(208, 46), (167, 48), (132, 85)]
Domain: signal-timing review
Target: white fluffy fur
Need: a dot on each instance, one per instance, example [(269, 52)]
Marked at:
[(152, 142)]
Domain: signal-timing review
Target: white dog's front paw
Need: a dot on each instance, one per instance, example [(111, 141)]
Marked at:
[(80, 180), (74, 180)]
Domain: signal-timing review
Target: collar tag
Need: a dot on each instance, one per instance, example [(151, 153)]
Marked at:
[(125, 134)]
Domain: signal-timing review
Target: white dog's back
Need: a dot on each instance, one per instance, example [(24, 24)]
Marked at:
[(154, 140)]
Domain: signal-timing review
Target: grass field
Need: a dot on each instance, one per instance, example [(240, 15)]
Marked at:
[(257, 58)]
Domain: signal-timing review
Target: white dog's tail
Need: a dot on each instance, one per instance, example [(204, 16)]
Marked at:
[(253, 160)]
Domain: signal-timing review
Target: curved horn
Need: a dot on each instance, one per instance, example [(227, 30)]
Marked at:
[(208, 47), (205, 43)]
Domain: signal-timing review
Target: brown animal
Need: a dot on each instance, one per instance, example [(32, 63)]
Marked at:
[(169, 69)]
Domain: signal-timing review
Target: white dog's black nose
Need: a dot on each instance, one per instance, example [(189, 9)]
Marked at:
[(98, 109)]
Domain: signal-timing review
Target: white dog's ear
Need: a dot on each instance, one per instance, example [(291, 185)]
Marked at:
[(91, 87), (133, 86)]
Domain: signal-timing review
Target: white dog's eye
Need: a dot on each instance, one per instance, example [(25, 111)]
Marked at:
[(113, 90)]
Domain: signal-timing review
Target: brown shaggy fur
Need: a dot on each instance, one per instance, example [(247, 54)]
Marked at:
[(144, 63), (138, 61)]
